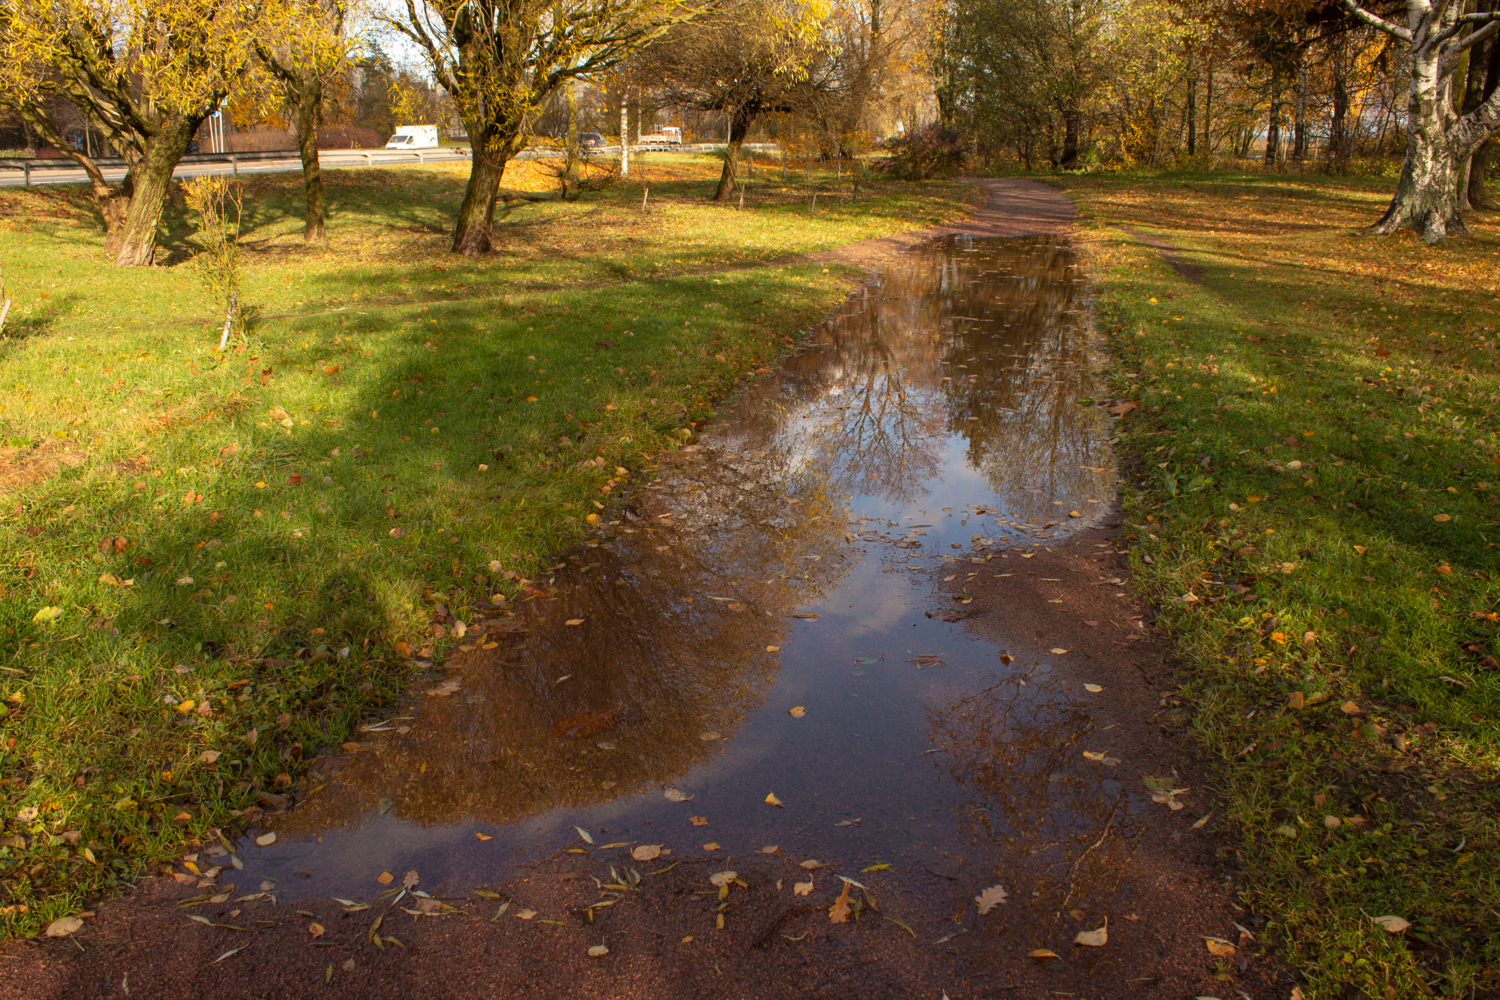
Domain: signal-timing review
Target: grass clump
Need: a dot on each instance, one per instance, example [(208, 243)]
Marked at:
[(245, 550), (1311, 500)]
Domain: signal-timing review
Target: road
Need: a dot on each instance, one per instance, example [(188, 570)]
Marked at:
[(256, 163)]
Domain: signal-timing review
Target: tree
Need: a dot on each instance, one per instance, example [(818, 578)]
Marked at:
[(746, 58), (1439, 140), (500, 59), (1484, 77), (309, 49), (145, 73)]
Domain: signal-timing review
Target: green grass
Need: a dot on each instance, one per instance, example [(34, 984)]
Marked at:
[(264, 535), (1315, 461)]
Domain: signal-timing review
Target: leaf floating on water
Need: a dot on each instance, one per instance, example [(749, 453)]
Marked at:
[(806, 616), (990, 898), (525, 914), (315, 929), (483, 836), (410, 880), (710, 736), (677, 795), (877, 868), (722, 879), (1095, 938), (772, 800), (797, 711), (584, 835), (811, 863), (866, 659), (646, 852), (848, 822), (1057, 651), (710, 847), (770, 849), (586, 723), (265, 839), (1041, 954), (802, 888)]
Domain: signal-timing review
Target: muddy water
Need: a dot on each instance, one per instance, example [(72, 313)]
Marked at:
[(791, 560)]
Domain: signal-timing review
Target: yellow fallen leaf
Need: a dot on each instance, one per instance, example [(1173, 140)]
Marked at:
[(385, 878), (266, 839), (1041, 953), (772, 800), (483, 836), (574, 621), (1091, 755), (797, 712), (698, 820), (1361, 549), (1442, 518), (839, 912), (710, 846), (1219, 948), (1057, 651), (646, 852), (1095, 938), (1092, 688), (46, 615), (801, 888), (598, 950), (315, 929)]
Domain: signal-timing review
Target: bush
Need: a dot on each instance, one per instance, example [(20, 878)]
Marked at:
[(925, 153), (348, 137)]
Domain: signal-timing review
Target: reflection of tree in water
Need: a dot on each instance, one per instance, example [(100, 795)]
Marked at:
[(1062, 826), (677, 614), (982, 340)]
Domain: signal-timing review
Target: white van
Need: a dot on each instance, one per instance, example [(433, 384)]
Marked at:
[(414, 137)]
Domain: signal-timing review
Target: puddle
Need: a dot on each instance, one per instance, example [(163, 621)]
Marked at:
[(791, 560)]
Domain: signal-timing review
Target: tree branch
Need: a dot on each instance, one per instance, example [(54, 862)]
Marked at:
[(1390, 28)]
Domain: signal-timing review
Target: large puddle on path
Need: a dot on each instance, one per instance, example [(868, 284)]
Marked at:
[(767, 620)]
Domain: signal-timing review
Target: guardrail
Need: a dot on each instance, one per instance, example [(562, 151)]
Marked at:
[(28, 165)]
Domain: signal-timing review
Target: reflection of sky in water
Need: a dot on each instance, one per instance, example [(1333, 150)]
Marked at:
[(870, 420)]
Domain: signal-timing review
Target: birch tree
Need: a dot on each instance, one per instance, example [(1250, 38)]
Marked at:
[(1440, 140), (501, 59), (144, 73)]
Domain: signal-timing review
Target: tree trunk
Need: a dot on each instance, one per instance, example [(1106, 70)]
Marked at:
[(739, 126), (148, 181), (111, 202), (1208, 106), (1069, 158), (476, 216), (1338, 141), (1273, 125), (1426, 198), (1192, 114), (312, 170), (1299, 114), (1484, 76)]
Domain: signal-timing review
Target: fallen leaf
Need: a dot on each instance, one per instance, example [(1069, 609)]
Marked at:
[(315, 929), (646, 852), (525, 914), (721, 879), (1091, 755), (811, 864), (710, 736), (483, 836), (802, 888), (1202, 821), (990, 898), (698, 820), (1219, 948), (584, 835), (1350, 708), (676, 795), (1361, 549), (877, 868), (710, 846), (385, 878), (839, 912), (265, 840), (797, 712), (1095, 938), (1041, 954), (64, 926), (598, 951), (1442, 518), (410, 880), (46, 615), (575, 621), (1392, 924), (1057, 651), (1092, 688), (772, 800)]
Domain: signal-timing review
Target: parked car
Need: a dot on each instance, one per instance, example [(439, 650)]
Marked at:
[(590, 140), (414, 137)]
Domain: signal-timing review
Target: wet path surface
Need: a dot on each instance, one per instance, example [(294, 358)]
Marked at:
[(766, 621)]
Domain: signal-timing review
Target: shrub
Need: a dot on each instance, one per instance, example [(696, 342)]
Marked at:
[(924, 153)]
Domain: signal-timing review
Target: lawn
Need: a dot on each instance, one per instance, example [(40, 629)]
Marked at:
[(1311, 476), (212, 566)]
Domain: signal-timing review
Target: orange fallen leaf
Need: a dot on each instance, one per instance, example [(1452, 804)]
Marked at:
[(839, 911)]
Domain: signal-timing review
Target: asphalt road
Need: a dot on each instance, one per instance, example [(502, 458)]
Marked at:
[(13, 176)]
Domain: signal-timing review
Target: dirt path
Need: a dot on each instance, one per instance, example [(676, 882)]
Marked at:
[(1148, 874)]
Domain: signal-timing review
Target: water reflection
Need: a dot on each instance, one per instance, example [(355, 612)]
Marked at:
[(941, 400)]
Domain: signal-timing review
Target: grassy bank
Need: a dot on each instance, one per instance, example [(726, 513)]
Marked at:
[(213, 565), (1310, 498)]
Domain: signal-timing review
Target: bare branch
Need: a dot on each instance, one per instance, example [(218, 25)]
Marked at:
[(1375, 21)]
